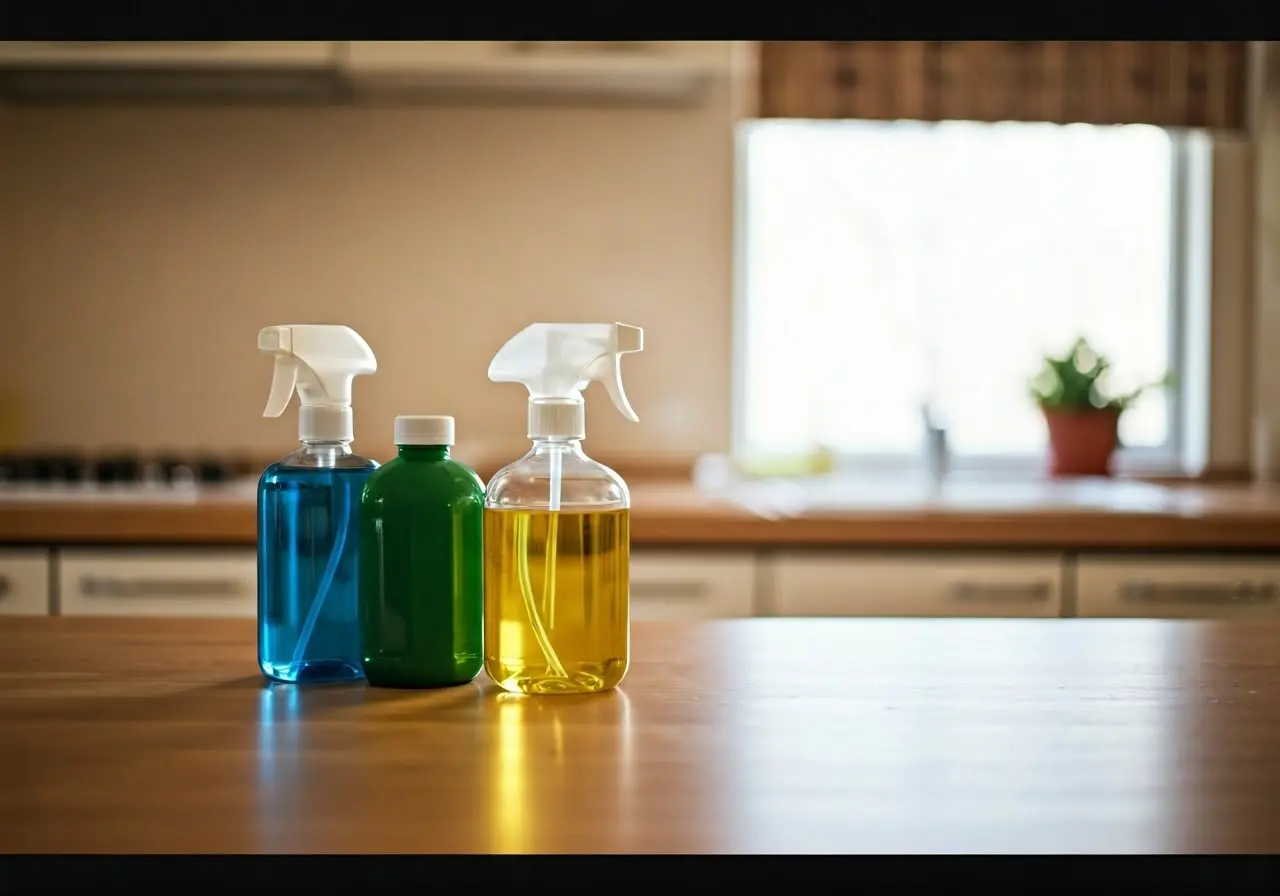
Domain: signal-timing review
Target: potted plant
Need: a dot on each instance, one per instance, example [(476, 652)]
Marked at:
[(1083, 419)]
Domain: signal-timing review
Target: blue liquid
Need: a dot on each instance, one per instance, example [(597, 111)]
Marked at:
[(303, 512)]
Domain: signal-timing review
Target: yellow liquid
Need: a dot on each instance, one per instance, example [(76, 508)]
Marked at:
[(556, 600)]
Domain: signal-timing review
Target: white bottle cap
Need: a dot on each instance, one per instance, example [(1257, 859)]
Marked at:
[(424, 430)]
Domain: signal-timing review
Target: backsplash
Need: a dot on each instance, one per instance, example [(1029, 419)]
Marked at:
[(141, 250)]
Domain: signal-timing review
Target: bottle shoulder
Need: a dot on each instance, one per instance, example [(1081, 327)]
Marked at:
[(445, 478), (300, 463), (585, 484)]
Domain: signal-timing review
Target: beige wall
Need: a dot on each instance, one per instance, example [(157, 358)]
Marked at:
[(141, 250)]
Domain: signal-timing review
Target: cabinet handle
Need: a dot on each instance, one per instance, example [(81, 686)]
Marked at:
[(94, 586), (1012, 592), (1235, 593), (5, 586), (685, 590)]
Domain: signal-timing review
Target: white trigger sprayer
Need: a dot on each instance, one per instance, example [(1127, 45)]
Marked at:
[(319, 361), (555, 362)]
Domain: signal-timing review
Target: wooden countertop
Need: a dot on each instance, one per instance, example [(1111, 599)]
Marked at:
[(1103, 515), (767, 735)]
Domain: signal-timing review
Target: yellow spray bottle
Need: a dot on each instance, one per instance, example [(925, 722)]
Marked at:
[(557, 523)]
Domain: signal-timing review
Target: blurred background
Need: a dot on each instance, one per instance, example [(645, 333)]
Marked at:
[(144, 247), (849, 259)]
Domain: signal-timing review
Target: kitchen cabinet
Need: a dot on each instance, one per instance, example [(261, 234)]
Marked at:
[(915, 584), (704, 584), (471, 55), (212, 582), (212, 53), (127, 582), (1205, 586), (692, 584), (641, 70), (24, 582)]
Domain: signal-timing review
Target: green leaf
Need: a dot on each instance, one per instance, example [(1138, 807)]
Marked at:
[(1075, 381)]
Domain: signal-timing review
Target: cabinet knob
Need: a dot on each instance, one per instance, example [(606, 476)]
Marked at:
[(5, 586)]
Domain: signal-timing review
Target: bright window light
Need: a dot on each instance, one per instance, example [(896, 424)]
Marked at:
[(889, 264)]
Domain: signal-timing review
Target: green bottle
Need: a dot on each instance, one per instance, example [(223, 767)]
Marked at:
[(422, 563)]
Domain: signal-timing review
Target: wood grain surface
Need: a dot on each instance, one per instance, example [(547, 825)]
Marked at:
[(764, 735), (1199, 84)]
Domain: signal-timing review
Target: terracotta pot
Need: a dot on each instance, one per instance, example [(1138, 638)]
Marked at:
[(1081, 442)]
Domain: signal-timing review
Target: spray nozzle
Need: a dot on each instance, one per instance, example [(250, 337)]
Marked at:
[(555, 362), (319, 361)]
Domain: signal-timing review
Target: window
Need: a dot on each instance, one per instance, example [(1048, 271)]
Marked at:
[(886, 265)]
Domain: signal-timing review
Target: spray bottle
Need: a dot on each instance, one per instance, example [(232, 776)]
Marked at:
[(557, 524), (308, 506)]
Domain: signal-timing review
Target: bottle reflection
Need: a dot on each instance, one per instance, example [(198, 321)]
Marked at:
[(285, 733), (278, 709), (561, 777), (279, 746)]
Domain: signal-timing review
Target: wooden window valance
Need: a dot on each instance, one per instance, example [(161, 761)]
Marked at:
[(1167, 83)]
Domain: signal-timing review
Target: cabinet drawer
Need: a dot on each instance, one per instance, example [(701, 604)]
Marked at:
[(676, 585), (24, 583), (158, 583), (917, 584), (1182, 587)]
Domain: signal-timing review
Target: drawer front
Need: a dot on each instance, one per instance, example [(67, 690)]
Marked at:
[(675, 585), (917, 584), (158, 583), (1181, 587), (24, 583)]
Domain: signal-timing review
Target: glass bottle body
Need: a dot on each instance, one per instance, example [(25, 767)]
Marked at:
[(308, 505), (557, 582)]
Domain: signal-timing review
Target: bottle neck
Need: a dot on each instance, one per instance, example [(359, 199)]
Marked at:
[(556, 419), (557, 445), (325, 453), (423, 452), (325, 424)]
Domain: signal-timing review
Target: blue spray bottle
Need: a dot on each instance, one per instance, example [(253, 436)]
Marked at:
[(308, 507)]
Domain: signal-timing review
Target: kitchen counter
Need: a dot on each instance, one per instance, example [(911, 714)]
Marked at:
[(769, 735), (1118, 514)]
